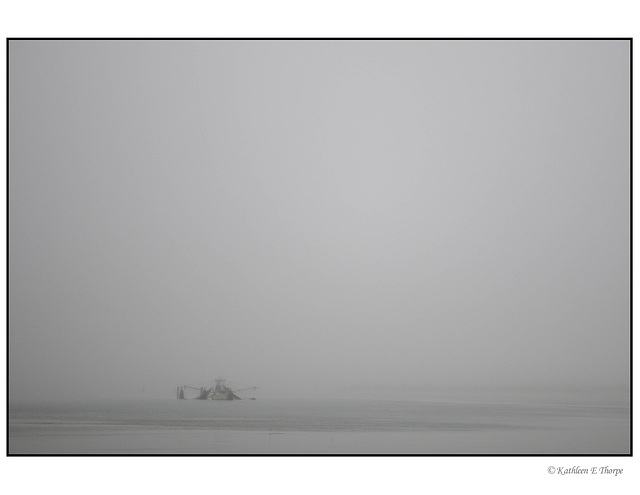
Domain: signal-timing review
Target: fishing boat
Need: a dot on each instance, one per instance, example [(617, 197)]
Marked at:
[(221, 390)]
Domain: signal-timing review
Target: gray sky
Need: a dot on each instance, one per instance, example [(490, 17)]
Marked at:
[(311, 215)]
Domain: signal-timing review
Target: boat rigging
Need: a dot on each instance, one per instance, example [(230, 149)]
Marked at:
[(221, 390)]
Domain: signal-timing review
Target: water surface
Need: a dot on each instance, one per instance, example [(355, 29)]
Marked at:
[(318, 426)]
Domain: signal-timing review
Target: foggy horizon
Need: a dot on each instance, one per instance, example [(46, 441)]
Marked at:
[(318, 217)]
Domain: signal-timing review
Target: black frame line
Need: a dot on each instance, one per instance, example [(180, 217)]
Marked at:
[(630, 40)]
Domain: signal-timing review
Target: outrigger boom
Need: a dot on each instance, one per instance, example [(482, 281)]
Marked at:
[(222, 390)]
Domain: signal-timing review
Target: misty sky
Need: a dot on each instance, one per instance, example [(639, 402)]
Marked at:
[(310, 215)]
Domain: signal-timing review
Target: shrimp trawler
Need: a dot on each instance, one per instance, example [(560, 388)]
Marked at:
[(222, 390)]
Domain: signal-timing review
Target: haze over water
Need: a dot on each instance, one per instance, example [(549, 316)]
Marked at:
[(319, 218)]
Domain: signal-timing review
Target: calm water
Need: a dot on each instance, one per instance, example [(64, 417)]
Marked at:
[(332, 426)]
